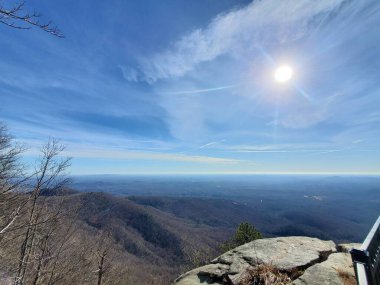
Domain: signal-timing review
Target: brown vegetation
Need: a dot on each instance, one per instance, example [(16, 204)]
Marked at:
[(89, 244), (266, 274), (348, 279)]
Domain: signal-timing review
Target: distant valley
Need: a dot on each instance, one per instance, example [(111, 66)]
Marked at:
[(328, 207)]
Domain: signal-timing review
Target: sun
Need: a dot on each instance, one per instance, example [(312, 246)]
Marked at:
[(283, 73)]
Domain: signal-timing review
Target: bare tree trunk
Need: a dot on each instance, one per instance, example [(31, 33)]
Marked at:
[(69, 232), (100, 267), (101, 254), (29, 237), (40, 260)]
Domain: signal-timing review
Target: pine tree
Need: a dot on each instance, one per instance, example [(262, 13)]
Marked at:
[(244, 233)]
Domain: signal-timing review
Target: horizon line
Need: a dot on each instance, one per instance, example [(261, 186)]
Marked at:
[(232, 173)]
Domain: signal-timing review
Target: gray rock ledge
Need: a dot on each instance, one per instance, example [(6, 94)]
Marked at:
[(317, 262)]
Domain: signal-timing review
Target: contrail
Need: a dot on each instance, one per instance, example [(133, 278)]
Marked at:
[(211, 143), (198, 90)]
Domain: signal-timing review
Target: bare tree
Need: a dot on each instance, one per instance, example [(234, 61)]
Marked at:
[(55, 260), (11, 178), (14, 16), (44, 241), (53, 239), (10, 167), (102, 258), (49, 178), (35, 217)]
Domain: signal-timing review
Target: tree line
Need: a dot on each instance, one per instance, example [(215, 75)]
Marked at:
[(39, 240)]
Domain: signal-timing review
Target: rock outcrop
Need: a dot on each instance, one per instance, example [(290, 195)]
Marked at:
[(285, 260)]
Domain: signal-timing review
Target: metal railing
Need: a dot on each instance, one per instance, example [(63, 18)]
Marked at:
[(367, 259)]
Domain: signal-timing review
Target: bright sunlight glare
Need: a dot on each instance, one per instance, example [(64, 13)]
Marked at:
[(283, 73)]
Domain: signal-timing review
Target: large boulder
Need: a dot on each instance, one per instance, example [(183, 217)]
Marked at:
[(285, 254), (336, 270)]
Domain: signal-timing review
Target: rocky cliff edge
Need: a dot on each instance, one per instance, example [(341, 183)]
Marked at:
[(283, 260)]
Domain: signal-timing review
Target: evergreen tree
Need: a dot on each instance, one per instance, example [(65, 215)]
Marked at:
[(244, 233)]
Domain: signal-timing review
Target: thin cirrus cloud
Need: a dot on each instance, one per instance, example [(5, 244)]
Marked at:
[(298, 148), (274, 147), (261, 22), (281, 149), (149, 155)]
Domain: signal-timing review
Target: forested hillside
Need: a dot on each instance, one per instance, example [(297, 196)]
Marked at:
[(128, 242)]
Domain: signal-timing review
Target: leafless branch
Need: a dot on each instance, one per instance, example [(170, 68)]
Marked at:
[(16, 17)]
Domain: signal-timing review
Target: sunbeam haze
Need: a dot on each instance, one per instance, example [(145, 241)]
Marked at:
[(199, 86)]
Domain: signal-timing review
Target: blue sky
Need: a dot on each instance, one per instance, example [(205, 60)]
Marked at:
[(180, 86)]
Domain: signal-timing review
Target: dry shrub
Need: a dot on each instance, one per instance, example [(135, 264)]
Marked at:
[(265, 274), (347, 278)]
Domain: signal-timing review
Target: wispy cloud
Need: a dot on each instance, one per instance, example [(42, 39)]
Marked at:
[(312, 149), (303, 115), (357, 141), (81, 151), (279, 148), (283, 148), (148, 155), (253, 24)]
